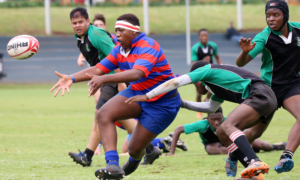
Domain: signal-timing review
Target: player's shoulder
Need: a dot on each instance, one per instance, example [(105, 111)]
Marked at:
[(147, 42), (95, 32), (295, 24), (196, 45), (212, 43)]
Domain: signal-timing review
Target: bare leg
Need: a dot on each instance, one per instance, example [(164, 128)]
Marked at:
[(292, 104), (258, 145), (216, 148), (125, 146), (95, 136)]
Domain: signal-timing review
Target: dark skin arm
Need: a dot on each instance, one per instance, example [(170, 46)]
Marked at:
[(219, 61), (176, 135), (246, 46), (126, 76)]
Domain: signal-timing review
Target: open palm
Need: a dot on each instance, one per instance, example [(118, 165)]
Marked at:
[(246, 44), (64, 83)]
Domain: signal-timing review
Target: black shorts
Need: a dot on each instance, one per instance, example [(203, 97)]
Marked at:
[(284, 92), (262, 99), (107, 92)]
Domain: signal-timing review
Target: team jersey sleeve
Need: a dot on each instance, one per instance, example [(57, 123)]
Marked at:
[(215, 98), (295, 24), (194, 56), (110, 62), (200, 74), (101, 41), (260, 40), (199, 126), (146, 59), (215, 47)]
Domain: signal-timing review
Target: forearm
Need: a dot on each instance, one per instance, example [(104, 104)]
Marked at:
[(175, 138), (219, 61), (241, 60), (125, 76), (81, 75), (208, 107), (169, 86)]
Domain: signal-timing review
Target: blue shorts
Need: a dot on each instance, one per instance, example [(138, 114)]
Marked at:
[(156, 116)]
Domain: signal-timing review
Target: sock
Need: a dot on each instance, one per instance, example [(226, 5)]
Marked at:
[(241, 142), (135, 161), (287, 154), (237, 154), (149, 148), (156, 142), (89, 154), (112, 157)]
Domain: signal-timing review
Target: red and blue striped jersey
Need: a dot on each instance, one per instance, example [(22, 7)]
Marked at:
[(145, 55), (114, 38)]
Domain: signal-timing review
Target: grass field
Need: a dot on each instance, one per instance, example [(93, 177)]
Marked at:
[(163, 20), (38, 130)]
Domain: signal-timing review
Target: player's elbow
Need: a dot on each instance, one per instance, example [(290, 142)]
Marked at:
[(137, 75)]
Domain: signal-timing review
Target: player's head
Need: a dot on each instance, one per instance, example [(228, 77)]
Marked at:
[(80, 20), (199, 85), (127, 28), (215, 119), (99, 21), (277, 14), (203, 36)]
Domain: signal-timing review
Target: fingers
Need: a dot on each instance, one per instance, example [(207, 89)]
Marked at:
[(130, 100), (63, 92), (58, 74), (54, 87), (92, 92), (57, 91), (90, 76), (254, 44)]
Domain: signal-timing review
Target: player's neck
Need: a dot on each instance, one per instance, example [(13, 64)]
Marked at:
[(285, 31)]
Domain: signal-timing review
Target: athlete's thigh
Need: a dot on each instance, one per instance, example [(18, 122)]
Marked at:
[(128, 124), (117, 109), (97, 96), (242, 117), (213, 148), (140, 137), (292, 104)]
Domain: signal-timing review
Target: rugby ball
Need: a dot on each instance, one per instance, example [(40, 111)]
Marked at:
[(22, 47)]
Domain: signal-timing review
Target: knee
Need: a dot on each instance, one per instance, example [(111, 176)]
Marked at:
[(133, 152), (101, 116)]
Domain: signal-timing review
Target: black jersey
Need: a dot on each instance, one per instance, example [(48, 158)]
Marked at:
[(200, 51), (95, 44), (280, 55)]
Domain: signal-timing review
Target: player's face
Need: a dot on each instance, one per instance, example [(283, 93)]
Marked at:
[(79, 24), (203, 37), (100, 24), (215, 120), (125, 37), (274, 18), (200, 88)]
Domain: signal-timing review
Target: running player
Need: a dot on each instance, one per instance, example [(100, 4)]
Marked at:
[(95, 44), (257, 104), (144, 65), (207, 132), (204, 50), (279, 44)]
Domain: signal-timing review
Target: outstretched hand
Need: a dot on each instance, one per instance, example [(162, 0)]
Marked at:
[(137, 98), (246, 45), (95, 83), (64, 83)]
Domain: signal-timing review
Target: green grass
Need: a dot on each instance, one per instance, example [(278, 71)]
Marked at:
[(37, 131), (163, 20)]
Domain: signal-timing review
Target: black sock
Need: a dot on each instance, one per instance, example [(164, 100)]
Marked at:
[(244, 146), (287, 154), (89, 154), (238, 155), (149, 148)]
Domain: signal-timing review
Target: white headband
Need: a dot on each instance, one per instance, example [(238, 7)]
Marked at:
[(127, 25)]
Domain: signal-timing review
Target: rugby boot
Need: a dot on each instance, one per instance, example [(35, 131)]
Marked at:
[(129, 167), (230, 167), (151, 157), (80, 158), (111, 171), (284, 165), (279, 146), (254, 168), (260, 176)]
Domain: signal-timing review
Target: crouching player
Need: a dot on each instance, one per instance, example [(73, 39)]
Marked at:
[(207, 132), (143, 64), (257, 105)]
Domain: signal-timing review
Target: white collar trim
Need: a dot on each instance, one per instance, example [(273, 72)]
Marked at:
[(122, 51), (286, 40)]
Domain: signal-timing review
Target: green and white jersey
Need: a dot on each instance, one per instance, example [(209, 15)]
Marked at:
[(199, 51), (95, 45), (280, 55), (225, 82), (203, 127)]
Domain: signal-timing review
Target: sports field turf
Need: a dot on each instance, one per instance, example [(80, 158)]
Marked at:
[(37, 131), (163, 20)]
